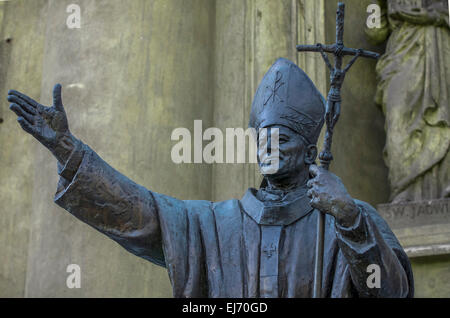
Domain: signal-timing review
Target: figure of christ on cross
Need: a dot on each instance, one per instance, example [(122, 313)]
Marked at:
[(332, 113)]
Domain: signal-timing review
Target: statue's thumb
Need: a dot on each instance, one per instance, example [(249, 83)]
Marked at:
[(57, 100)]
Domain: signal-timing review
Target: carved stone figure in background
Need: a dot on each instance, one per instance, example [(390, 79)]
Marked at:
[(259, 246), (414, 92)]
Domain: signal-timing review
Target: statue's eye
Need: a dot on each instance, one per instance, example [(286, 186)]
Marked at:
[(283, 139)]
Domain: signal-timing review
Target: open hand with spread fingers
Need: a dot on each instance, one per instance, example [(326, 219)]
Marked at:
[(329, 195), (48, 125)]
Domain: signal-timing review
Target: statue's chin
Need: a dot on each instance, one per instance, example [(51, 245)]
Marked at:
[(269, 170), (280, 177), (284, 176)]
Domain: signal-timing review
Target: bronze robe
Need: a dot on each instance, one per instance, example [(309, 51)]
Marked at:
[(234, 248)]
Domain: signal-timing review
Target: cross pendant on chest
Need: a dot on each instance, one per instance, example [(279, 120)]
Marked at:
[(269, 250)]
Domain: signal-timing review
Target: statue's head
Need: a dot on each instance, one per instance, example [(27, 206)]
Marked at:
[(288, 100)]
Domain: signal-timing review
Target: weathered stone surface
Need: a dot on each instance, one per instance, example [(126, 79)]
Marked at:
[(431, 276), (21, 53)]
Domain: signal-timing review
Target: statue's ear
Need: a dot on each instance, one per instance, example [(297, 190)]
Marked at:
[(310, 154)]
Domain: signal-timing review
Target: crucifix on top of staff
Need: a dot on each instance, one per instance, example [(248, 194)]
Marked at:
[(333, 110)]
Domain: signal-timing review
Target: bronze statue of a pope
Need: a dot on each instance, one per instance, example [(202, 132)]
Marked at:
[(261, 245)]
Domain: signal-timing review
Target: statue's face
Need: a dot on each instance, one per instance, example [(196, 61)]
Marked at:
[(294, 153)]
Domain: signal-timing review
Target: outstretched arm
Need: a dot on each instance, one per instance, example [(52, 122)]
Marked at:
[(89, 188)]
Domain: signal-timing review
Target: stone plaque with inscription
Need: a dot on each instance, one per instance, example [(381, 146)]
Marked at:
[(423, 227)]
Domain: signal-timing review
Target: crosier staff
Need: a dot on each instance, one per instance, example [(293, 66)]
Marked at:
[(333, 110)]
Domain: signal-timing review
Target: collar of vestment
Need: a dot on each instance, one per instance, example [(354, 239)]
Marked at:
[(275, 214)]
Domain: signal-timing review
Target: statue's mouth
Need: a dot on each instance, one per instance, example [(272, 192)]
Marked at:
[(269, 160)]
